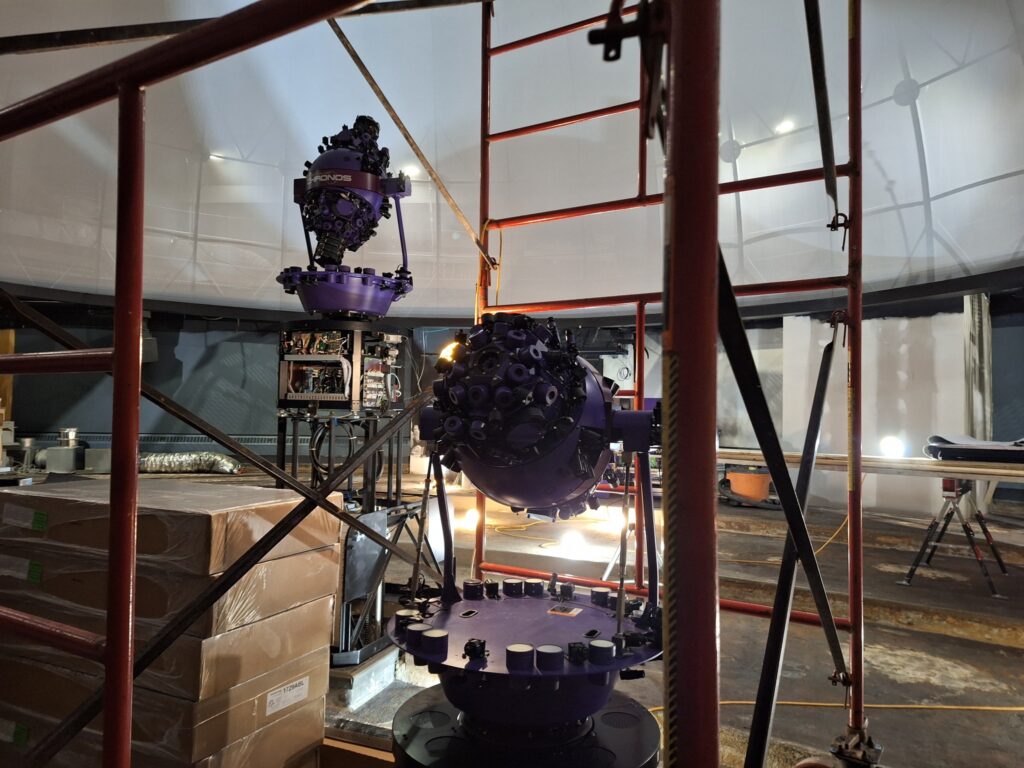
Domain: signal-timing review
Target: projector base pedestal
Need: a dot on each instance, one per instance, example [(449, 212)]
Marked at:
[(430, 732)]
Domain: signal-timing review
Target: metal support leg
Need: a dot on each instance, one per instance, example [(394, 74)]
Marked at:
[(295, 447), (976, 550), (946, 514), (414, 580), (929, 534), (282, 447), (991, 542), (449, 592)]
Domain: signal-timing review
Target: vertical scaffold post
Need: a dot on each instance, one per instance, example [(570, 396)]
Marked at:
[(855, 308), (484, 270), (690, 357), (639, 381), (124, 474)]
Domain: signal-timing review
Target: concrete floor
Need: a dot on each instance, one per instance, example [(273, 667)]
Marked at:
[(942, 641)]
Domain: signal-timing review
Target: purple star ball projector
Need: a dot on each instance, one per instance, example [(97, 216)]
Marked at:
[(343, 195), (528, 667)]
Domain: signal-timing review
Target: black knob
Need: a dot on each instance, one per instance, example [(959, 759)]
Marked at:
[(475, 649), (578, 653), (491, 588)]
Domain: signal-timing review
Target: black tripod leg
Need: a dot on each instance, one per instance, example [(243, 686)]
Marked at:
[(942, 532), (973, 544), (928, 534), (991, 542)]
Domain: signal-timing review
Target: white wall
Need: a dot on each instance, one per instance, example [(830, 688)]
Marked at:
[(913, 387)]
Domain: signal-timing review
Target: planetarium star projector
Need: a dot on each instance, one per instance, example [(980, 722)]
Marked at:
[(527, 667), (342, 196)]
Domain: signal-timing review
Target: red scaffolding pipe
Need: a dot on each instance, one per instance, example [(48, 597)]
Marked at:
[(733, 606), (855, 311), (53, 633), (802, 285), (551, 34), (689, 365), (561, 122), (642, 200), (227, 35), (87, 361), (124, 466)]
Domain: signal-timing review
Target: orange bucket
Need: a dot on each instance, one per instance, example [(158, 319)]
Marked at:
[(749, 485)]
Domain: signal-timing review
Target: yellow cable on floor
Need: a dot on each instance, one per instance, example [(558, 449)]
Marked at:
[(513, 530), (818, 551)]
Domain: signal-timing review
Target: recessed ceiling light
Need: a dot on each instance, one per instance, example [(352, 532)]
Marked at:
[(785, 126)]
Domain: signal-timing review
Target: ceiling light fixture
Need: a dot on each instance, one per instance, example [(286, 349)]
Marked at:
[(785, 126)]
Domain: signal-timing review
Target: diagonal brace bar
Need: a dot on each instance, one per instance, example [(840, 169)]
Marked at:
[(49, 328), (815, 43), (737, 348), (775, 645), (161, 641)]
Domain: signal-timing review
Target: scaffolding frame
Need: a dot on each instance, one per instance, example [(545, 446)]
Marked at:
[(695, 30), (126, 80)]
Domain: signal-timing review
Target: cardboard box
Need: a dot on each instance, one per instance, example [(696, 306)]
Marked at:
[(197, 527), (291, 742), (166, 730), (200, 668), (71, 586)]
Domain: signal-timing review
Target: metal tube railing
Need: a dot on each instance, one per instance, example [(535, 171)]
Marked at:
[(733, 606), (227, 35), (97, 360), (53, 633), (551, 34), (561, 122)]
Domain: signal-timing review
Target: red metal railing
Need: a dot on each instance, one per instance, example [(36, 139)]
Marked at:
[(91, 360), (695, 30), (737, 606), (126, 80)]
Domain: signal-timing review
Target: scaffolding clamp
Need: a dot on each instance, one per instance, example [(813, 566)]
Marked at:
[(840, 221), (651, 27)]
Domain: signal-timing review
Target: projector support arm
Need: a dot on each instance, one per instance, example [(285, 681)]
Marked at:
[(449, 592), (644, 467)]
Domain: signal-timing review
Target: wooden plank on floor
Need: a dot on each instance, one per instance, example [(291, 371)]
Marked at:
[(341, 754)]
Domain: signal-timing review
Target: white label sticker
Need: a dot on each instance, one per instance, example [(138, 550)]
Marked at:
[(21, 517), (6, 730), (287, 695), (18, 567)]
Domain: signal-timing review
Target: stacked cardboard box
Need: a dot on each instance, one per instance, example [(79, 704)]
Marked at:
[(243, 687)]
